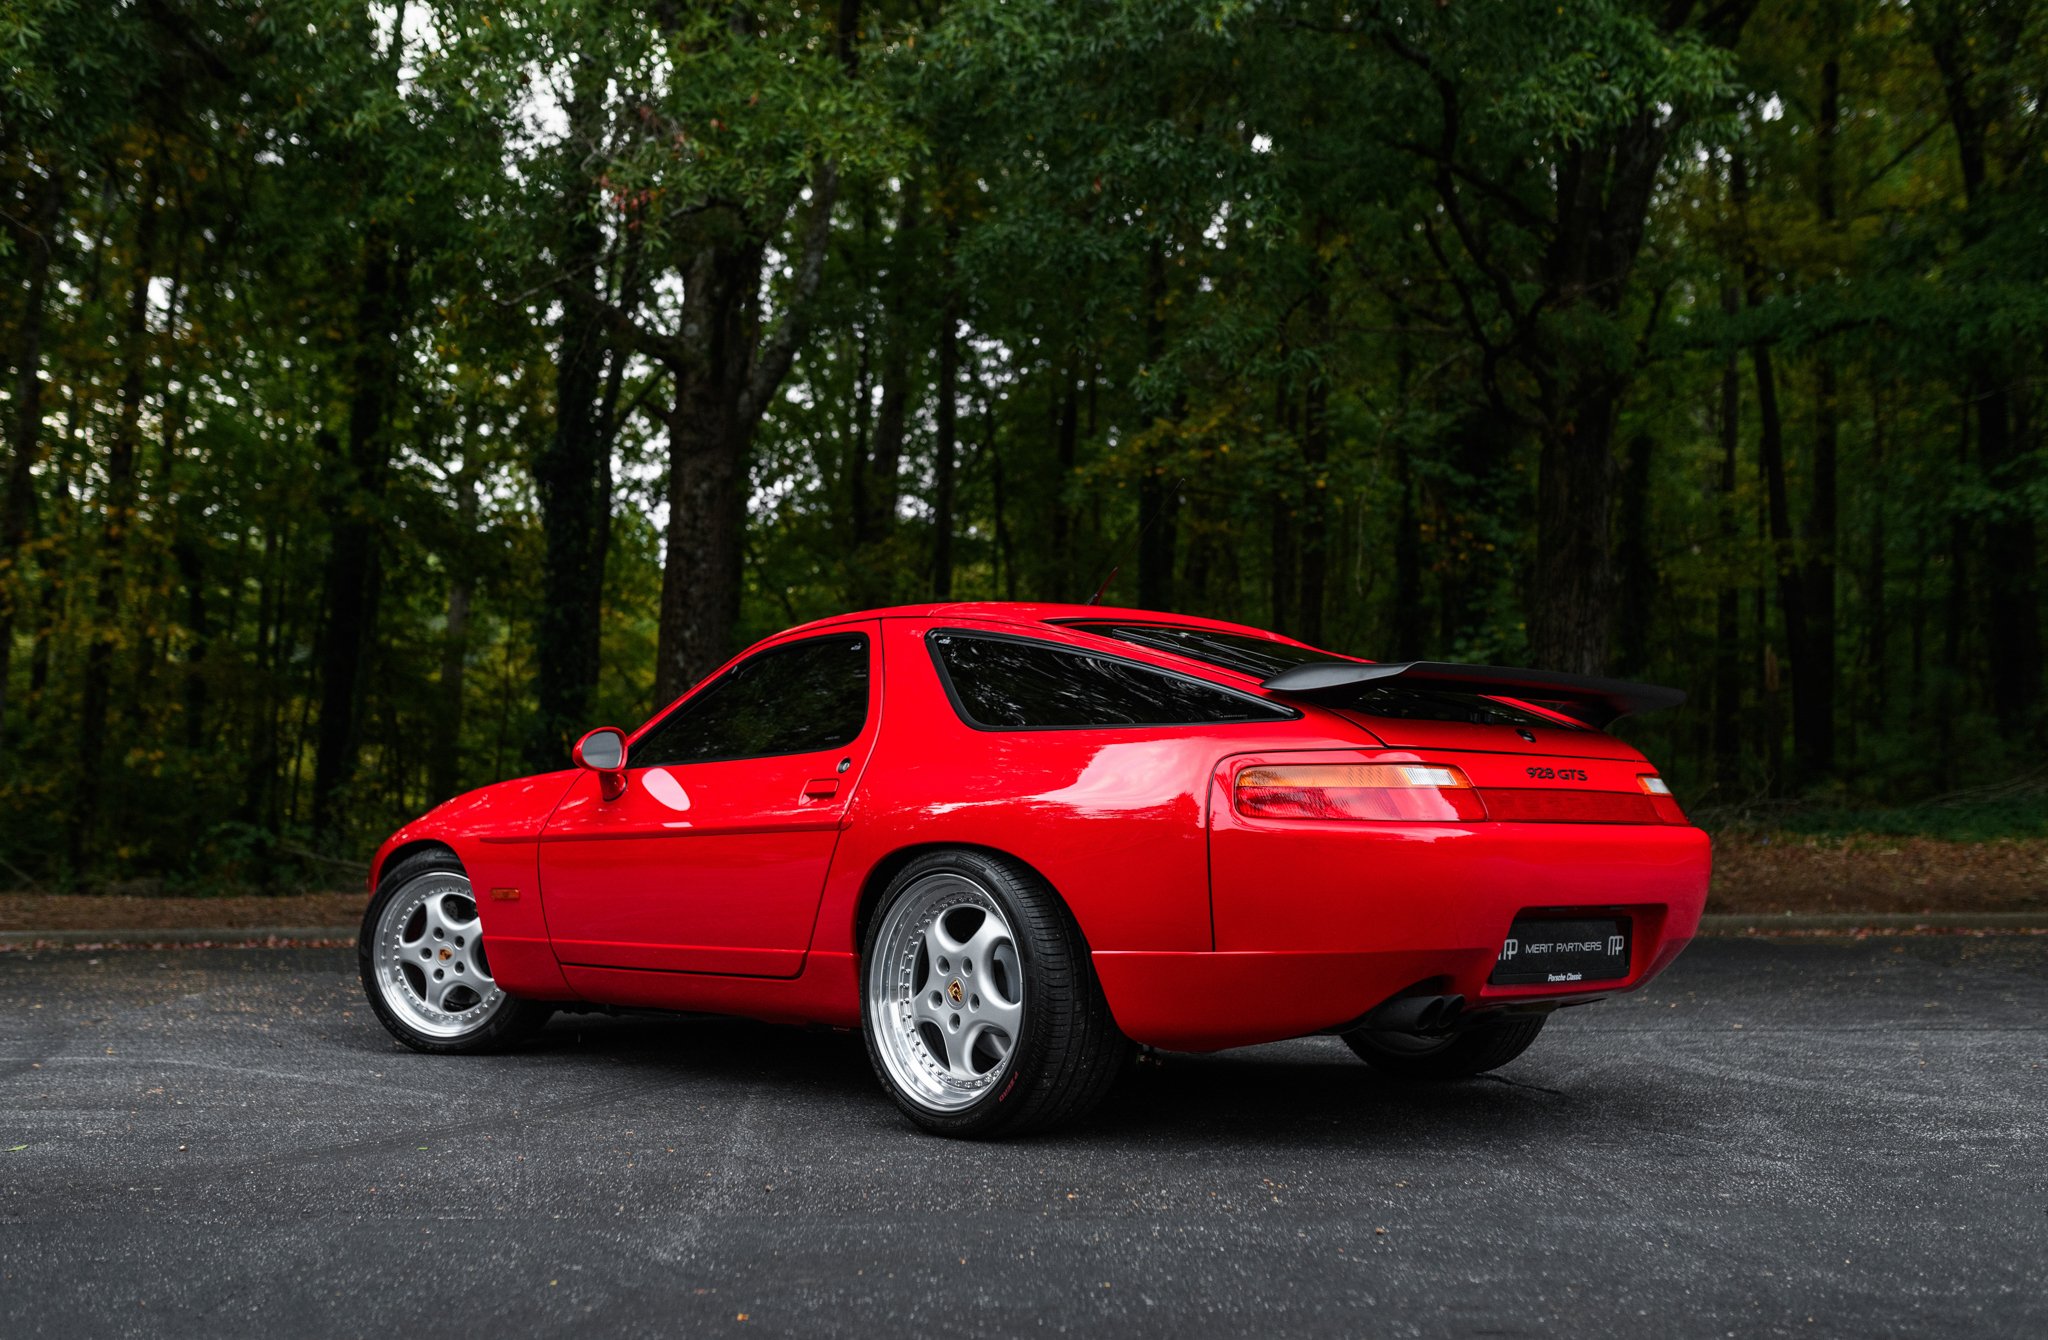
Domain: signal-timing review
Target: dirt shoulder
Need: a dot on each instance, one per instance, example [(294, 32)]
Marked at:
[(1779, 873), (101, 912), (1753, 874)]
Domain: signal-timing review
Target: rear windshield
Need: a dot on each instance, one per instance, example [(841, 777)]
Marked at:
[(1011, 683), (1233, 651), (1265, 658)]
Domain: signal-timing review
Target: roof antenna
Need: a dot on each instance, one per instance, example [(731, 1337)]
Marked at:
[(1096, 599), (1165, 506)]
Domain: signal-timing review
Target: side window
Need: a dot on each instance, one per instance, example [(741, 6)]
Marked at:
[(799, 698), (1005, 683)]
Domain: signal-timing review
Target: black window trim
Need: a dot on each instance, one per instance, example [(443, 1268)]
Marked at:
[(1281, 711), (867, 713), (1093, 627)]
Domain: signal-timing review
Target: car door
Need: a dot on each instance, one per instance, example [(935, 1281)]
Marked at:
[(713, 859)]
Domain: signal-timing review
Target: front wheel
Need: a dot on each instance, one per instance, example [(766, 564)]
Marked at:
[(1473, 1051), (980, 1008), (421, 953)]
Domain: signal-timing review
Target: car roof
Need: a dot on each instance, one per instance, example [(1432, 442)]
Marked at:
[(1025, 614)]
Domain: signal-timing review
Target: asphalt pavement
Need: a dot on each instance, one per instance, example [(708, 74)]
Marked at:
[(1779, 1137)]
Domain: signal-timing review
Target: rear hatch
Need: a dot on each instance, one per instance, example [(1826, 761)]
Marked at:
[(1490, 726), (1528, 740), (1527, 763)]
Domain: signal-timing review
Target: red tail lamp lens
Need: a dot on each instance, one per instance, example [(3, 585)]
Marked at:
[(1659, 792), (1378, 792)]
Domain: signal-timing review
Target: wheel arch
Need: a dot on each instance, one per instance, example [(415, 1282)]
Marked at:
[(886, 869), (405, 850)]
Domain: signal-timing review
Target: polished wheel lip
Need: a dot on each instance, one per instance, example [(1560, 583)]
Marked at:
[(450, 942), (900, 1006)]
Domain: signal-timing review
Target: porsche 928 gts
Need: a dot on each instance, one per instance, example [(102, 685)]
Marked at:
[(1009, 843)]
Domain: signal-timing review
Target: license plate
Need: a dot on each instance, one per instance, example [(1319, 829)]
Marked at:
[(1545, 950)]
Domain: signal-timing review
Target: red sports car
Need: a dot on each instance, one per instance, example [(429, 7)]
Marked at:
[(1007, 842)]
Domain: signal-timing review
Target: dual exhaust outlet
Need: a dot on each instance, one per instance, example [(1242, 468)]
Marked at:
[(1417, 1014)]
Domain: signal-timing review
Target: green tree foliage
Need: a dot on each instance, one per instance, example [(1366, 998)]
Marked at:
[(392, 390)]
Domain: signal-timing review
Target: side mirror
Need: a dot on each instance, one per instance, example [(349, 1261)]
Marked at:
[(603, 751)]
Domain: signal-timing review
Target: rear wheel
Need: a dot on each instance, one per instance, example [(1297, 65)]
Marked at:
[(1472, 1051), (421, 953), (980, 1008)]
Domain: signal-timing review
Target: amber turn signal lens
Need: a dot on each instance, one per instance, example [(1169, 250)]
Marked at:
[(1375, 792)]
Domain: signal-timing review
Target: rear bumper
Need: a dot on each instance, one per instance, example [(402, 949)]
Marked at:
[(1204, 1002), (1318, 923)]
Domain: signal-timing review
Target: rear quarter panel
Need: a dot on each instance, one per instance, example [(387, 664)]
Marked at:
[(1114, 819)]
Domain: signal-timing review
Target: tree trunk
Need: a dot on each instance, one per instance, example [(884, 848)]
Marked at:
[(1568, 617), (1157, 495), (1813, 664), (1408, 609), (872, 579), (355, 502), (992, 448), (1728, 603), (1638, 594), (570, 475), (190, 558), (1876, 609), (946, 435), (444, 765), (700, 580), (1315, 504), (1282, 568), (120, 515), (1066, 425), (1806, 704), (1603, 198), (1791, 593), (17, 500), (2012, 560), (725, 370), (1315, 452), (259, 784), (2011, 594)]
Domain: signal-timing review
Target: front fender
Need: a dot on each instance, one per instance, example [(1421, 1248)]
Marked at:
[(495, 833)]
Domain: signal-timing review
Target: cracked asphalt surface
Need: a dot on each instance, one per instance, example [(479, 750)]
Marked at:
[(1801, 1137)]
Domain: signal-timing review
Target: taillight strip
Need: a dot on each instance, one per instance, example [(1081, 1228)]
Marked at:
[(1415, 792), (1367, 792)]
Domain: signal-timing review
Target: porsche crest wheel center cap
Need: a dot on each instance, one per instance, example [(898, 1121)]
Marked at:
[(446, 954), (955, 992)]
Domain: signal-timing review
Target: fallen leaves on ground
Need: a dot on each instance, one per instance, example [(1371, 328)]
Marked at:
[(1780, 873)]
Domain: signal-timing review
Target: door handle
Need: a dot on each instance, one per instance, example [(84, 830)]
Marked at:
[(821, 788)]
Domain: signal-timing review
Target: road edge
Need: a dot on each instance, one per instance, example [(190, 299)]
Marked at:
[(1712, 925), (214, 937)]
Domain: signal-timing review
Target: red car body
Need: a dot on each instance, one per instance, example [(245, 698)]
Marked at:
[(741, 887)]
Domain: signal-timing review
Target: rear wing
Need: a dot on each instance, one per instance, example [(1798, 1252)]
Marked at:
[(1589, 698)]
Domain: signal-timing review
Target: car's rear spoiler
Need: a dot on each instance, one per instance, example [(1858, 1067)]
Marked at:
[(1588, 698)]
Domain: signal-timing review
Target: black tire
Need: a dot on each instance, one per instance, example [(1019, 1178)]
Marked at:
[(1070, 1052), (512, 1021), (1456, 1056)]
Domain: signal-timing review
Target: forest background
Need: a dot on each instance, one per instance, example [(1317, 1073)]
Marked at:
[(392, 391)]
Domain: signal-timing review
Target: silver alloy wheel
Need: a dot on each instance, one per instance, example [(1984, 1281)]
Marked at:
[(945, 992), (429, 957)]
